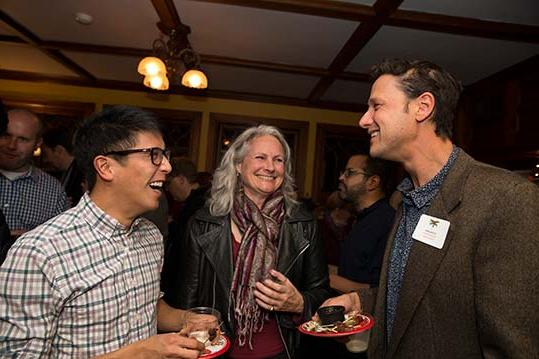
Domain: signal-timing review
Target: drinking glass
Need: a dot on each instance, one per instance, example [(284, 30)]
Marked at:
[(202, 323)]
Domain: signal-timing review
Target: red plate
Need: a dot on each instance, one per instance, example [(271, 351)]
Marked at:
[(366, 323), (213, 351)]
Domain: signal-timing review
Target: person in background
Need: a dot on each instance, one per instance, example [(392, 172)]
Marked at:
[(459, 278), (363, 184), (6, 240), (204, 179), (254, 253), (28, 195), (86, 283), (57, 153), (337, 219), (182, 185), (159, 217)]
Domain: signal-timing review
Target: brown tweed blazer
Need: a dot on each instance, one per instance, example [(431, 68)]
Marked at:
[(478, 296)]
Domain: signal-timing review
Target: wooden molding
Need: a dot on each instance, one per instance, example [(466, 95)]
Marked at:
[(179, 90), (205, 59), (52, 107)]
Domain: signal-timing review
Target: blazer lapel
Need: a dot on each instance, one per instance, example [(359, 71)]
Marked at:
[(424, 260)]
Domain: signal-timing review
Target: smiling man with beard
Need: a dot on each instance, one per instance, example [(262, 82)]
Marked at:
[(362, 183), (86, 283)]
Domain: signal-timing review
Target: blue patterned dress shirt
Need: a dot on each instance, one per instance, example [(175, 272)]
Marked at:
[(415, 202)]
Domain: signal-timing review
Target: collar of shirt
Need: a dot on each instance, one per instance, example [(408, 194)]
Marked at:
[(13, 176), (371, 208), (105, 224), (421, 196)]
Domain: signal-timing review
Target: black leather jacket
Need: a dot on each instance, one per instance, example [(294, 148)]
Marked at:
[(208, 269)]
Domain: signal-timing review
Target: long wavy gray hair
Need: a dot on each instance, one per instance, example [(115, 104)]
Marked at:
[(225, 182)]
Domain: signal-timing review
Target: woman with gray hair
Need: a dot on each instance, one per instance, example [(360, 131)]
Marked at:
[(253, 253)]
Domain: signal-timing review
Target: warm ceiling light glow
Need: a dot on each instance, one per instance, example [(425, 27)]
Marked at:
[(195, 79), (37, 152), (157, 82), (151, 66)]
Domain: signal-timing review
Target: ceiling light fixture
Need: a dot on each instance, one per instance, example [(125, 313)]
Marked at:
[(174, 59)]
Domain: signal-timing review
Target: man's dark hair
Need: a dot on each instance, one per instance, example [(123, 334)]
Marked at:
[(113, 129), (380, 168), (3, 118), (417, 77), (58, 136), (183, 166)]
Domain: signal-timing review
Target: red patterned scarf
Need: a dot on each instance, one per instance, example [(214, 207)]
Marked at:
[(257, 255)]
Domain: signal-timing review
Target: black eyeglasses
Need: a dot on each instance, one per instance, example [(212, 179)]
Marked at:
[(156, 154), (350, 172)]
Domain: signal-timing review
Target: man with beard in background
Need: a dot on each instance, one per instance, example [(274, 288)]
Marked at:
[(363, 184)]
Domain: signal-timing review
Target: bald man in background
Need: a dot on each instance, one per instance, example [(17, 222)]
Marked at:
[(28, 196)]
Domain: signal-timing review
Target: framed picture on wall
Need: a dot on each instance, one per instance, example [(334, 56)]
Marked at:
[(225, 128)]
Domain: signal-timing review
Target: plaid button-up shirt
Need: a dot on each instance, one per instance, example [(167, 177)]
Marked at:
[(31, 200), (80, 285)]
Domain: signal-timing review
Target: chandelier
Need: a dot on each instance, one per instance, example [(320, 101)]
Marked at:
[(174, 59)]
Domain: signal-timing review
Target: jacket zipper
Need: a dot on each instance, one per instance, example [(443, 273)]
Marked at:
[(277, 316)]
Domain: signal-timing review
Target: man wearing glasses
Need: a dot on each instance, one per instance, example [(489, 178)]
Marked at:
[(86, 283), (363, 184)]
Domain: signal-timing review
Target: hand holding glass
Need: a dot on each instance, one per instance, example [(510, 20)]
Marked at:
[(202, 323)]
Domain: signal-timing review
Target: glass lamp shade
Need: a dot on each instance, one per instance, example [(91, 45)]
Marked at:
[(195, 79), (156, 82), (151, 66)]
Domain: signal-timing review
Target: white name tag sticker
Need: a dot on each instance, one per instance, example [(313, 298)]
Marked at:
[(431, 230)]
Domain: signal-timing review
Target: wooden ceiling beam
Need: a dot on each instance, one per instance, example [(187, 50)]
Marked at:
[(399, 18), (279, 67), (464, 26), (178, 90), (205, 59), (97, 49), (361, 36), (168, 15), (323, 8), (31, 39)]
